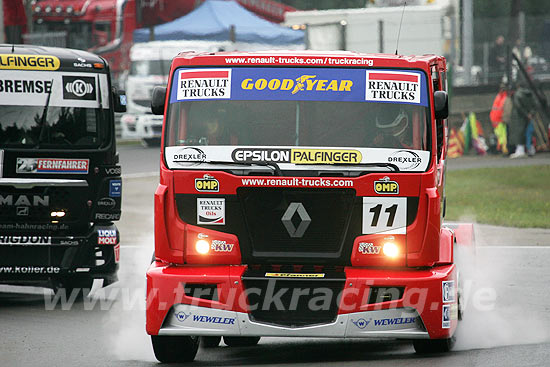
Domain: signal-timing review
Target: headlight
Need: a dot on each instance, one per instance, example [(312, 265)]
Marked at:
[(390, 249), (202, 247)]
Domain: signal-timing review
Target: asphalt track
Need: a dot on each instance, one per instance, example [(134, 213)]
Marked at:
[(507, 319)]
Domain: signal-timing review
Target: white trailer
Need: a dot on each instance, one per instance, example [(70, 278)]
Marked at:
[(426, 29), (149, 67)]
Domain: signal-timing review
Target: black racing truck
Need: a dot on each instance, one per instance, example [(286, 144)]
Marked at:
[(60, 178)]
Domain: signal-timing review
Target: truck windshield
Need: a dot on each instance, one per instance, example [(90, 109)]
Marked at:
[(63, 128), (299, 107), (53, 110), (291, 123)]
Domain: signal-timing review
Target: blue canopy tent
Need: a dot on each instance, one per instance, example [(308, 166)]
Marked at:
[(213, 21)]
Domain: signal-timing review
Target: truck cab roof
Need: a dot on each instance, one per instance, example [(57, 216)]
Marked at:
[(69, 58), (308, 59)]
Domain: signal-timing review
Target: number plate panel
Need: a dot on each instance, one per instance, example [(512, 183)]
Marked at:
[(384, 215)]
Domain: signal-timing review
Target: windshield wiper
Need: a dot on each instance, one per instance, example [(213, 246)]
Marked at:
[(43, 118), (278, 171), (273, 165), (376, 164), (270, 164)]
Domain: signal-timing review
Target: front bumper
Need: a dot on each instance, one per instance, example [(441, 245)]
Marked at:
[(32, 259), (193, 320), (426, 309)]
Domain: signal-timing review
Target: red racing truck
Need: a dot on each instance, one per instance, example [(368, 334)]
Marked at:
[(302, 194)]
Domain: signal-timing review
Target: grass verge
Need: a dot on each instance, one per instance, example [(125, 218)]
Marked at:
[(509, 196)]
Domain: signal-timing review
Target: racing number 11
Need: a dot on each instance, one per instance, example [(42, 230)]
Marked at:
[(388, 215), (376, 210)]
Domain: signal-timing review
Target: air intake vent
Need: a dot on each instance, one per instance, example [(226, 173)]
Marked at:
[(298, 301), (202, 291), (385, 294)]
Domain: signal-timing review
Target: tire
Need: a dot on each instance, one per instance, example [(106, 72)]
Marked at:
[(210, 341), (434, 345), (169, 349), (241, 341)]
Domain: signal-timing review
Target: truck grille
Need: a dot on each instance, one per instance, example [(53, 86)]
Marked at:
[(16, 212), (296, 223), (294, 308), (255, 216)]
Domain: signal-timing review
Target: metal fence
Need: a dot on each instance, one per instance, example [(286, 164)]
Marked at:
[(533, 47)]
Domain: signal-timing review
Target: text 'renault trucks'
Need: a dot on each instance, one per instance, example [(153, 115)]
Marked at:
[(302, 194), (60, 185)]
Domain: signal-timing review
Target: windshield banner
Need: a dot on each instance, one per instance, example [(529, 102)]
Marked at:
[(293, 158), (300, 84), (68, 89)]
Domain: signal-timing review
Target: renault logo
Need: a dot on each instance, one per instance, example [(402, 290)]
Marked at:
[(305, 220)]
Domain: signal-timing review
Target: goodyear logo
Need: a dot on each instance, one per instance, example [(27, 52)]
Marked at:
[(325, 156), (386, 186), (300, 84), (29, 62), (295, 275), (207, 184)]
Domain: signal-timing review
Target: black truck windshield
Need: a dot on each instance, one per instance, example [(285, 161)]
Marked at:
[(53, 109), (63, 128)]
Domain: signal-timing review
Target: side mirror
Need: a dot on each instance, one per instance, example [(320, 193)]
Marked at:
[(157, 100), (441, 104), (119, 101)]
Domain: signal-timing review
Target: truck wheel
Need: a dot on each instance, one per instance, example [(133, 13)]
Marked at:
[(433, 345), (169, 349), (211, 341), (241, 341)]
